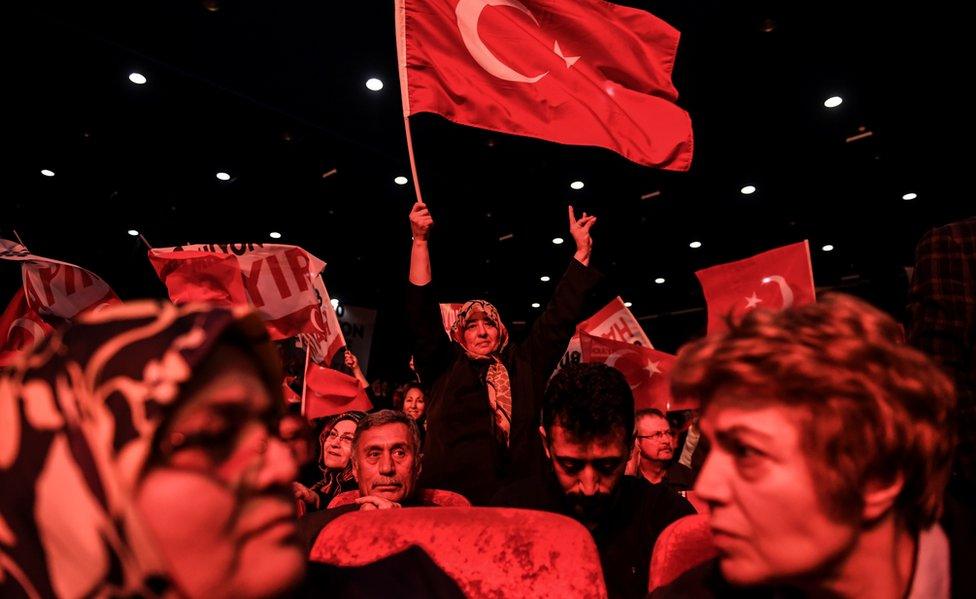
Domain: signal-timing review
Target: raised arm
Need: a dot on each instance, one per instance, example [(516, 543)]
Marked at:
[(431, 347), (553, 329), (420, 224)]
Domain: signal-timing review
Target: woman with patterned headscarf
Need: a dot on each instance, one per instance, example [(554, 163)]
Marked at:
[(485, 393), (335, 444), (138, 457)]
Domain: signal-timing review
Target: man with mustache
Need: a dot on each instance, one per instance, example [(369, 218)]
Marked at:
[(655, 444), (386, 463), (587, 430)]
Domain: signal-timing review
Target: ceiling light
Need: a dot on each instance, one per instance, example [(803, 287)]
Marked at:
[(833, 101)]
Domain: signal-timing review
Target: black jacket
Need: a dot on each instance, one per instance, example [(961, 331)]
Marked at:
[(461, 452), (626, 536)]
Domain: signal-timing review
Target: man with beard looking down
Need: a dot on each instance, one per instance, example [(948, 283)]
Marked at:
[(587, 430)]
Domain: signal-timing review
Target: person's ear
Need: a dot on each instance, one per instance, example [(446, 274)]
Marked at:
[(879, 497), (545, 442)]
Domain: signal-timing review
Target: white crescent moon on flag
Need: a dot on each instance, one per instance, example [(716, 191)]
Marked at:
[(468, 12), (612, 360), (784, 289), (31, 327)]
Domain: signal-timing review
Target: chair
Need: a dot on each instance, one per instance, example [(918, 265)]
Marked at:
[(427, 497), (684, 544), (489, 552)]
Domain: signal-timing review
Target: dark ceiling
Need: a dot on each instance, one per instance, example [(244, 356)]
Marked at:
[(273, 93)]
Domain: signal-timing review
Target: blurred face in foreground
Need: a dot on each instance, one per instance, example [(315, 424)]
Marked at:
[(769, 523), (217, 494)]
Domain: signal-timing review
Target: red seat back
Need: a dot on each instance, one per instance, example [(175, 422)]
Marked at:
[(684, 544), (490, 552)]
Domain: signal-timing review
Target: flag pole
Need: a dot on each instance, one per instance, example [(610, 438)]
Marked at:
[(405, 90), (413, 163), (305, 376), (144, 241), (19, 240)]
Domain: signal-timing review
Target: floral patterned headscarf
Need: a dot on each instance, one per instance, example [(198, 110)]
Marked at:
[(468, 310), (78, 417), (496, 378)]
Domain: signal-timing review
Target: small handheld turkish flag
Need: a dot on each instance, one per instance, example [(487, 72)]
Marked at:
[(776, 279), (648, 371)]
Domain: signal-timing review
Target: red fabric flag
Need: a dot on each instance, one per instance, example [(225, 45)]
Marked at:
[(774, 280), (288, 393), (613, 321), (21, 329), (192, 276), (58, 289), (581, 72), (282, 282), (648, 371), (329, 392)]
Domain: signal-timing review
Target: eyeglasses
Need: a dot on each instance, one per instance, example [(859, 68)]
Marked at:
[(658, 435), (231, 442), (332, 436)]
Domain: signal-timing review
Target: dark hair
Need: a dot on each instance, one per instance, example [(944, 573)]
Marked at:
[(382, 418), (589, 401), (872, 407), (413, 385), (352, 415), (400, 394)]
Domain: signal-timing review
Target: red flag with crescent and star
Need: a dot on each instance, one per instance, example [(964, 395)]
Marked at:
[(648, 371), (777, 279), (580, 72)]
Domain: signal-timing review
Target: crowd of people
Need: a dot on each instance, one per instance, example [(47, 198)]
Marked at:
[(146, 451)]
